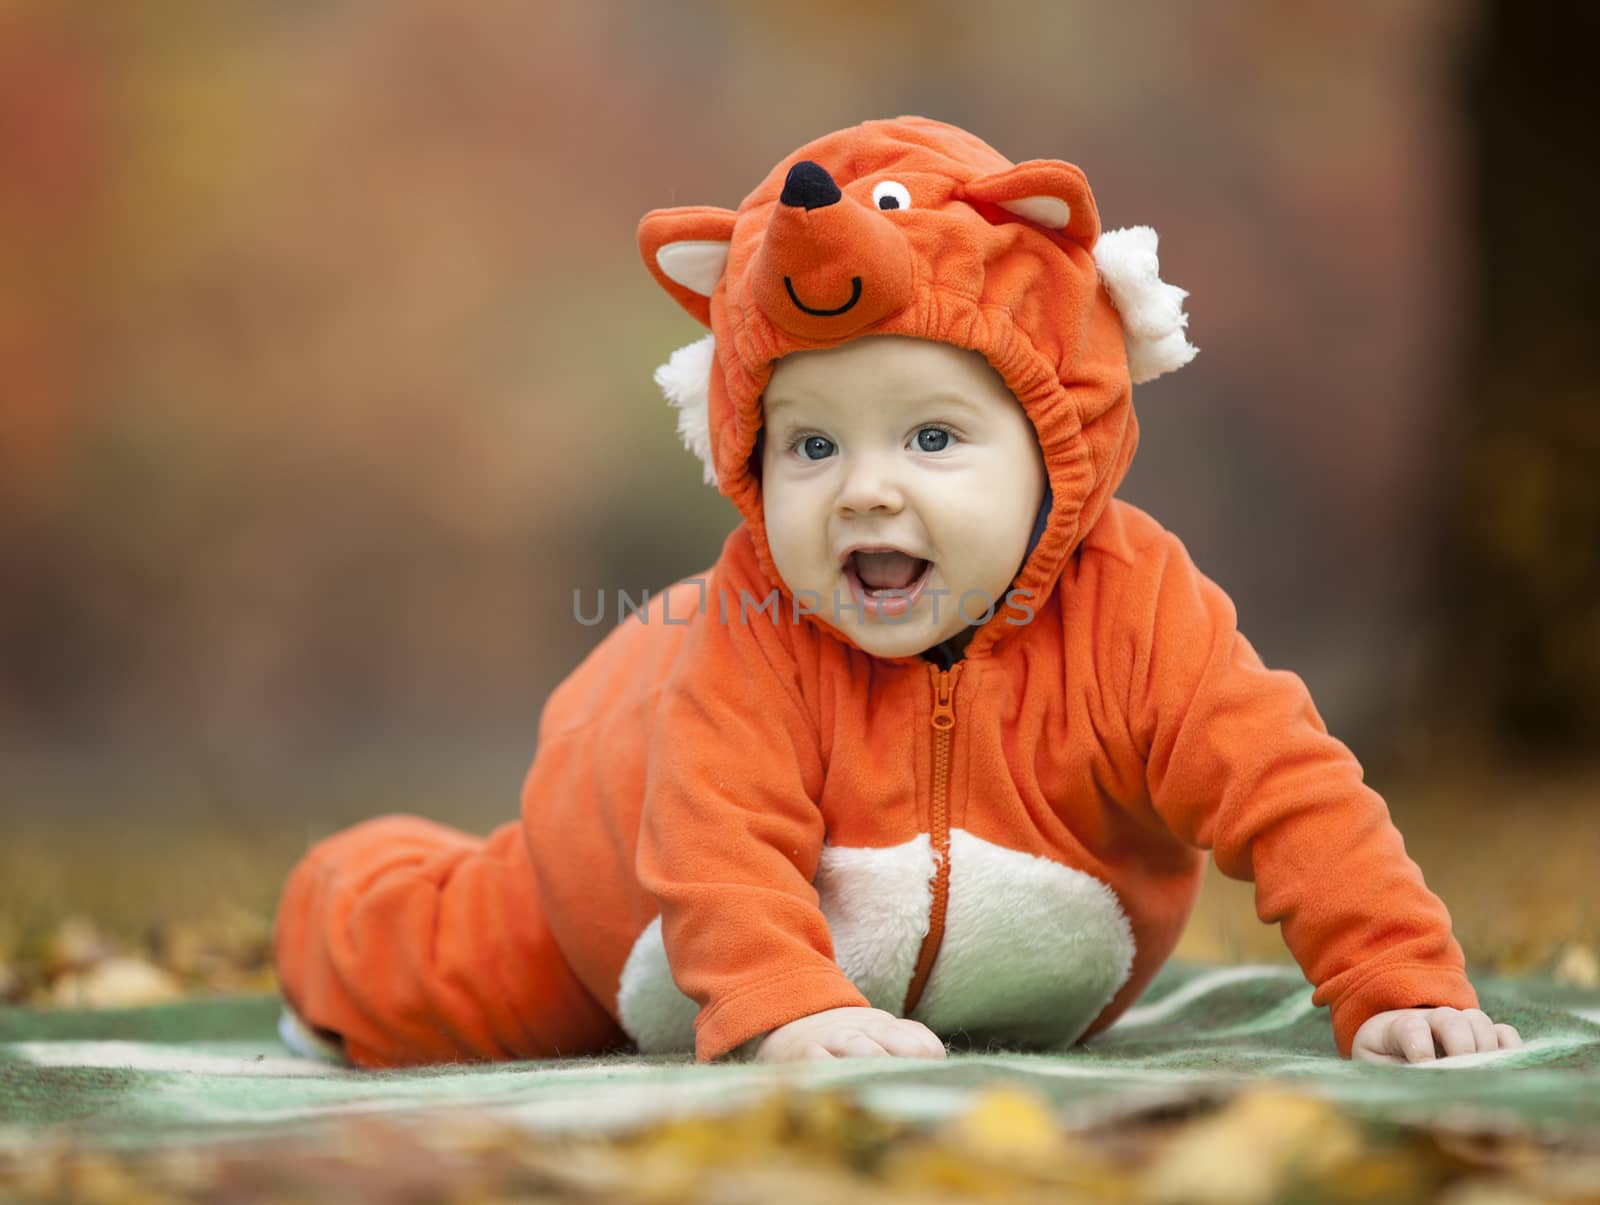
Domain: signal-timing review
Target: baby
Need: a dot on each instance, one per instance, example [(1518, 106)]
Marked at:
[(935, 749)]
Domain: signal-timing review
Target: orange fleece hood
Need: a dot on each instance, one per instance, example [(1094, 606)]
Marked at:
[(915, 227)]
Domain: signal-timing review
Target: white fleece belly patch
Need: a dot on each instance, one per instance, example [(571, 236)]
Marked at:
[(1032, 950)]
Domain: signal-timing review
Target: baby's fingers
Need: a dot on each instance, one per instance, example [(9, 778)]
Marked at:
[(1483, 1034), (1509, 1038), (857, 1045), (1410, 1038), (1454, 1030), (911, 1040)]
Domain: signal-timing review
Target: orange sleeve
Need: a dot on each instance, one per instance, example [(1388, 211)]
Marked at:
[(731, 833), (1239, 762)]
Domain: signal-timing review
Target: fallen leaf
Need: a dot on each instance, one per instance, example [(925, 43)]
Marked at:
[(116, 982), (73, 945), (1007, 1125), (1577, 965), (1253, 1150)]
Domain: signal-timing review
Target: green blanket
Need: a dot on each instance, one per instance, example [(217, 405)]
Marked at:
[(215, 1068)]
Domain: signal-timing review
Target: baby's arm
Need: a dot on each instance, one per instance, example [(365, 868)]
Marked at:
[(731, 834), (1239, 762)]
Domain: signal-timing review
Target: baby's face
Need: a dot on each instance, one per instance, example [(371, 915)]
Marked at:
[(891, 443)]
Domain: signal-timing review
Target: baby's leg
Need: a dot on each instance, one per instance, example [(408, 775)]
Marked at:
[(417, 943)]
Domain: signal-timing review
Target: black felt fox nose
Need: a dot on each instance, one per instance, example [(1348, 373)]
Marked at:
[(809, 185)]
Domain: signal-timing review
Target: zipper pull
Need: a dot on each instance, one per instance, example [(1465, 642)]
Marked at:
[(944, 712)]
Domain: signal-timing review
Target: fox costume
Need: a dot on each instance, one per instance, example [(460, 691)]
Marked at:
[(737, 818)]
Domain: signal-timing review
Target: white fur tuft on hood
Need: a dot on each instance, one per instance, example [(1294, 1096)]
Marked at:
[(1153, 320), (686, 381)]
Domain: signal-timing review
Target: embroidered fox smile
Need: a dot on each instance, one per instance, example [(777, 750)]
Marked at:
[(855, 296)]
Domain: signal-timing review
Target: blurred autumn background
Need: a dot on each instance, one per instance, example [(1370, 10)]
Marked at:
[(325, 380)]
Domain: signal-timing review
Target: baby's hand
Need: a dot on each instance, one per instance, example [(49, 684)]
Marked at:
[(1407, 1035), (846, 1033)]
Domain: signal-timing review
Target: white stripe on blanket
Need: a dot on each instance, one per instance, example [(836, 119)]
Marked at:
[(142, 1056)]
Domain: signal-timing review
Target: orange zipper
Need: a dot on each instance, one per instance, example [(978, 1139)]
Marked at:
[(944, 721)]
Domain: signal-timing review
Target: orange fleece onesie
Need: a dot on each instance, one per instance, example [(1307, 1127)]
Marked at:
[(736, 817)]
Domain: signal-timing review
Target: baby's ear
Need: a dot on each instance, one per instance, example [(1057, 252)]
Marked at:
[(1049, 192), (686, 250)]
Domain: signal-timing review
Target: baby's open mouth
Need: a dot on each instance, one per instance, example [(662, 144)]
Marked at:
[(886, 583)]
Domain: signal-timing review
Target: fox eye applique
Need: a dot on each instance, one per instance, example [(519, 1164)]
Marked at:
[(891, 194)]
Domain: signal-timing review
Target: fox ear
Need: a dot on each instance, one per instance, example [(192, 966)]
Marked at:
[(1049, 192), (686, 250)]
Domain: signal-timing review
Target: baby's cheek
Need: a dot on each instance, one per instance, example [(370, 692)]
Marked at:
[(793, 569)]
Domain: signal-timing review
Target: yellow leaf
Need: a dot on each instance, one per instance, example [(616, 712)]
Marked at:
[(117, 982), (1578, 966), (1253, 1150), (1006, 1125)]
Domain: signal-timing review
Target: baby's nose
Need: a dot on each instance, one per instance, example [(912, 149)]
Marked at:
[(868, 487)]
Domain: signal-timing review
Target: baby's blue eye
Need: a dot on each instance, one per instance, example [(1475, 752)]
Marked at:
[(933, 439), (823, 448)]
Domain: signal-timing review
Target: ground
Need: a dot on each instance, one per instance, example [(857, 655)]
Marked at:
[(102, 917)]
